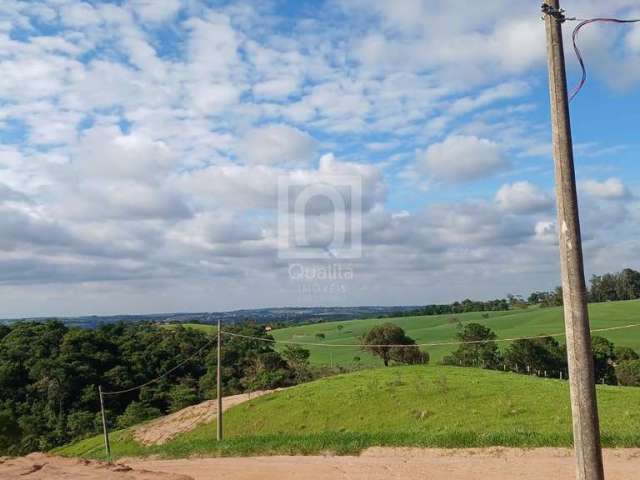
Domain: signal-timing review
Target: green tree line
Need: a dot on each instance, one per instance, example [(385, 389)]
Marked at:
[(49, 374), (543, 356)]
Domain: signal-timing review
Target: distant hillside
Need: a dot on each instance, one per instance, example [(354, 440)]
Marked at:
[(287, 315), (442, 328), (424, 406)]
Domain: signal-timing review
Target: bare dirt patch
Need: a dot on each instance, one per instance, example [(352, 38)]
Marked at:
[(40, 466), (165, 428), (405, 464), (373, 464)]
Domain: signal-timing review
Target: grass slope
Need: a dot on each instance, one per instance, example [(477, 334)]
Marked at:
[(440, 328), (422, 406)]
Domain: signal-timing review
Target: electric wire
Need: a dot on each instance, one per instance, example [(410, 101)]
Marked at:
[(352, 345), (168, 372), (434, 344), (576, 49)]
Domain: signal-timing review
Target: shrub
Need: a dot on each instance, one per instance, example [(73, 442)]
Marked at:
[(623, 354), (628, 373), (135, 413)]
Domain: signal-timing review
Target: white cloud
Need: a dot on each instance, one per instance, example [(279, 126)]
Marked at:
[(144, 142), (276, 88), (462, 158), (545, 231), (277, 144), (156, 10), (610, 188), (523, 198)]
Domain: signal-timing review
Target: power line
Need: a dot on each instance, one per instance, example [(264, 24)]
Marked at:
[(578, 53), (349, 345), (434, 344), (198, 352), (559, 15)]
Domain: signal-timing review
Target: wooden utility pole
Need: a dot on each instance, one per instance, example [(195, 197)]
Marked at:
[(584, 408), (107, 445), (219, 384)]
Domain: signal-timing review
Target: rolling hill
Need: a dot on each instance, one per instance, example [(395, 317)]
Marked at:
[(442, 328), (426, 406)]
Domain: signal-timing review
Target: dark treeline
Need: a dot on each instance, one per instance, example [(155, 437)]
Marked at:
[(610, 287), (543, 356), (49, 375), (624, 285), (465, 306)]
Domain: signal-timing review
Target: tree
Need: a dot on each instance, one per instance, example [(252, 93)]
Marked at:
[(380, 341), (624, 285), (623, 354), (603, 360), (137, 412), (628, 373), (298, 360), (183, 395), (477, 347), (540, 354)]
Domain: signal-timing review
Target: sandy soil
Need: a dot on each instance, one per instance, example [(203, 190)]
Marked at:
[(373, 464), (405, 464), (165, 428), (40, 466)]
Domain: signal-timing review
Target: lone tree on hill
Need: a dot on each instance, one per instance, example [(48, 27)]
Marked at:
[(477, 348), (381, 339)]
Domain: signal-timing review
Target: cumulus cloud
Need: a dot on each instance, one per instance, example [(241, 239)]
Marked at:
[(523, 198), (277, 144), (143, 143), (545, 231), (611, 188), (462, 158)]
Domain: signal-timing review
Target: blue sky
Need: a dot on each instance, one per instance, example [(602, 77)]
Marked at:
[(142, 144)]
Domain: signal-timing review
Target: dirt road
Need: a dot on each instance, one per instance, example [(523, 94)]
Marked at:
[(405, 464), (373, 464)]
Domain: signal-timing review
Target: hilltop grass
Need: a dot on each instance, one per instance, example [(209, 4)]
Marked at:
[(420, 406), (442, 328)]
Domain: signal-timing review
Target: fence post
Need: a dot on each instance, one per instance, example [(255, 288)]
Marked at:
[(107, 445)]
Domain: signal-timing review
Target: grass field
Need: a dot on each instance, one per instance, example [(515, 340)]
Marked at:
[(424, 406), (442, 328)]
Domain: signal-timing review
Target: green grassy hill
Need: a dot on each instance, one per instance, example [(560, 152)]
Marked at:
[(425, 406), (442, 328)]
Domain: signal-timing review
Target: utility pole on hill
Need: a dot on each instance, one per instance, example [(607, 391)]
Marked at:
[(219, 383), (584, 408)]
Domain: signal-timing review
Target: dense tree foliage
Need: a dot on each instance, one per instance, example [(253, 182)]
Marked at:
[(547, 299), (49, 375), (537, 355), (477, 348), (628, 373), (624, 285), (381, 341), (543, 356)]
